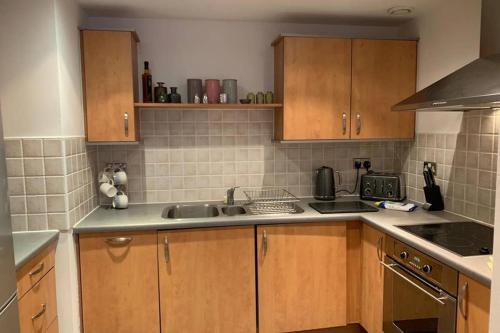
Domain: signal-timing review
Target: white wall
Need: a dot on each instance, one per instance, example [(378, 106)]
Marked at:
[(181, 49), (449, 32), (28, 69), (68, 17)]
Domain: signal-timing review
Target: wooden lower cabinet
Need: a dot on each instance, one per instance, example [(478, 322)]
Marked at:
[(119, 282), (473, 306), (301, 276), (372, 279), (38, 307), (207, 280)]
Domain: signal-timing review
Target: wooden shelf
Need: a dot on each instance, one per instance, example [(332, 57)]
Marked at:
[(207, 106)]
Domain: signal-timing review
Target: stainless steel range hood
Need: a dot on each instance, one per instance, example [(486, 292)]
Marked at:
[(474, 86)]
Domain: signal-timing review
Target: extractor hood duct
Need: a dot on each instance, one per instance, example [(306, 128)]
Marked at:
[(474, 86)]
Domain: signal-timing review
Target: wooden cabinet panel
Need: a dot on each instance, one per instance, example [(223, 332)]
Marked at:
[(54, 327), (207, 280), (31, 272), (109, 66), (301, 276), (313, 80), (38, 307), (119, 282), (372, 280), (475, 305), (383, 74), (354, 264)]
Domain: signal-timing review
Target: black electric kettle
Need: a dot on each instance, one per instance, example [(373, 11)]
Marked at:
[(325, 184)]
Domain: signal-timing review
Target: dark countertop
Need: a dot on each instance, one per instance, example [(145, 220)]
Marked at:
[(148, 217), (28, 244)]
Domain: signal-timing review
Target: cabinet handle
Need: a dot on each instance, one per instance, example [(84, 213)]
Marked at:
[(462, 299), (379, 247), (40, 313), (264, 242), (358, 123), (344, 123), (118, 241), (166, 250), (37, 270), (125, 119)]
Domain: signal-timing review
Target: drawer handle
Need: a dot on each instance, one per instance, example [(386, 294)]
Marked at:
[(40, 313), (125, 119), (462, 295), (37, 270), (264, 242), (166, 250), (118, 241), (358, 123), (344, 123)]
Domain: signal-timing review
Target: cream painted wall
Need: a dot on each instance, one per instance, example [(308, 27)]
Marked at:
[(40, 75), (449, 32), (68, 18), (28, 69), (181, 49)]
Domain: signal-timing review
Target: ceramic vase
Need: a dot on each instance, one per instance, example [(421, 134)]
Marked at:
[(195, 87), (230, 88), (259, 98), (212, 89), (161, 93), (174, 97)]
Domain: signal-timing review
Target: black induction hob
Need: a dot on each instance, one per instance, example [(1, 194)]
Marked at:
[(337, 207), (463, 238)]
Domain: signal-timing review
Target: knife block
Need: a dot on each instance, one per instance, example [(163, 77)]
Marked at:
[(434, 198)]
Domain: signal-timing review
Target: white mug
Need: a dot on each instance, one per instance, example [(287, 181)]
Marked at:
[(108, 189), (120, 177), (120, 201), (104, 178)]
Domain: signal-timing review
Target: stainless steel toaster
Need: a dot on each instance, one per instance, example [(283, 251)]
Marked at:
[(383, 186)]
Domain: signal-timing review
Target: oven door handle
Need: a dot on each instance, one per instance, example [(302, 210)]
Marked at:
[(390, 267)]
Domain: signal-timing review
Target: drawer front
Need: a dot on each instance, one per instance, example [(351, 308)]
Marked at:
[(29, 274), (38, 308)]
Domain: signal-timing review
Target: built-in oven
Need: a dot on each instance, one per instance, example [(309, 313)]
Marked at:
[(420, 293)]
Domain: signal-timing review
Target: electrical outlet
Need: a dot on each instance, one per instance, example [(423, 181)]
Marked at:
[(432, 166), (359, 160)]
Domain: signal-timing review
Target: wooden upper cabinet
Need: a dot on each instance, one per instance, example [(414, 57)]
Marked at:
[(119, 283), (109, 70), (473, 312), (302, 276), (372, 279), (383, 74), (313, 81), (207, 280)]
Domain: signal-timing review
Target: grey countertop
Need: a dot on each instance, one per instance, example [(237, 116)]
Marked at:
[(28, 244), (148, 217)]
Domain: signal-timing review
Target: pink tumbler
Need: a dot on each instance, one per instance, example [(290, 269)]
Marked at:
[(212, 88)]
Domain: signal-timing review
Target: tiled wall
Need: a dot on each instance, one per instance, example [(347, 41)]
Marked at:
[(467, 164), (191, 155), (50, 182)]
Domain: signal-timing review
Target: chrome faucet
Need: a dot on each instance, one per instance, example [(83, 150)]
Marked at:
[(230, 195)]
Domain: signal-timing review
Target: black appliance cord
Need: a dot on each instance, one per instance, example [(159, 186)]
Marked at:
[(355, 185)]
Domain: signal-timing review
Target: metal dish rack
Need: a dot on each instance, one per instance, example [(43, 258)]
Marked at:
[(271, 201)]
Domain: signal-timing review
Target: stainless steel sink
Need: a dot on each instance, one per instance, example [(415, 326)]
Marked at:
[(233, 210), (190, 211)]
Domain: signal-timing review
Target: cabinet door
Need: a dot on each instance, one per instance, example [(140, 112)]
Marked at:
[(372, 280), (119, 283), (473, 306), (316, 87), (110, 86), (207, 280), (301, 276), (383, 74)]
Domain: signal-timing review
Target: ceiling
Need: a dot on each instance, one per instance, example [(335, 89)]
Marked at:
[(365, 12)]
